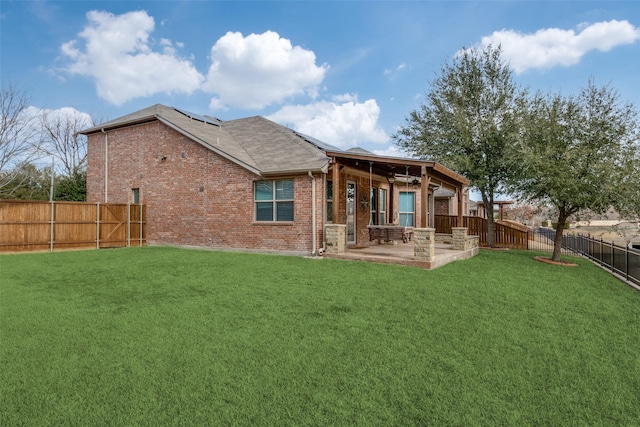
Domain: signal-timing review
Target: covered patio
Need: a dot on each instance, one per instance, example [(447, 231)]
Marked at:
[(357, 176), (382, 209)]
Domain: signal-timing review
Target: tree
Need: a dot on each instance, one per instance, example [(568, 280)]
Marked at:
[(579, 152), (71, 188), (62, 141), (28, 183), (469, 122), (19, 136), (521, 212)]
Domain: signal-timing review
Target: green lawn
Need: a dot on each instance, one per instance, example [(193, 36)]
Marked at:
[(166, 336)]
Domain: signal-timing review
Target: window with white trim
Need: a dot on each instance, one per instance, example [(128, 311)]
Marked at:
[(274, 200), (407, 208)]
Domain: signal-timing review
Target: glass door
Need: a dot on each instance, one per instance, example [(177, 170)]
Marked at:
[(351, 212)]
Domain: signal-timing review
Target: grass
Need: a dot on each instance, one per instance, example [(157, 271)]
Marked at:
[(166, 336)]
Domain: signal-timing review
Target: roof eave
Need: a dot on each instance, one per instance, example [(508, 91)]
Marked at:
[(298, 171), (137, 121)]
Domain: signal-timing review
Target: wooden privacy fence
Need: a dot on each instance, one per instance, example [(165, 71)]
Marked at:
[(505, 234), (34, 225)]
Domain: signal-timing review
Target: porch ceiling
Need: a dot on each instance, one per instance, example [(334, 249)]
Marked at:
[(391, 167)]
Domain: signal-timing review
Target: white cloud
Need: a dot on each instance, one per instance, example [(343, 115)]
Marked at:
[(345, 97), (393, 72), (117, 53), (69, 114), (551, 47), (260, 69), (344, 125)]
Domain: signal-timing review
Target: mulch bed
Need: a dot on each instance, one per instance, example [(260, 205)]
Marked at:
[(550, 261)]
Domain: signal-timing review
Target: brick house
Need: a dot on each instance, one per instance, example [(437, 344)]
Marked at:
[(253, 184)]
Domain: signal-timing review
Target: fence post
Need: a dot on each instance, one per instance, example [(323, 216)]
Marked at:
[(626, 262), (128, 224), (140, 213), (98, 225), (52, 212), (613, 261), (601, 250)]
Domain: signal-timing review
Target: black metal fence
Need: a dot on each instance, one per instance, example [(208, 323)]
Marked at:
[(621, 260)]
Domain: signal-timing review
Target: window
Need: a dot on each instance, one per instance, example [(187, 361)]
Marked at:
[(407, 208), (329, 201), (136, 195), (274, 200), (373, 203), (383, 206)]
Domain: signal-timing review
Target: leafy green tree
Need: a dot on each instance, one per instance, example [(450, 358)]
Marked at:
[(580, 153), (27, 182), (71, 188), (470, 123)]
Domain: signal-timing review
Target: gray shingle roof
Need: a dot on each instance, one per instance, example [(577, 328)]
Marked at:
[(258, 144), (275, 148), (267, 148)]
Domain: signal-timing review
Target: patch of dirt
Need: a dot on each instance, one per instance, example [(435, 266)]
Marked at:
[(550, 261)]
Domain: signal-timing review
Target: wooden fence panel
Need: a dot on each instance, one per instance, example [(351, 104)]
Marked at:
[(27, 225), (113, 225), (74, 225), (136, 225), (505, 235)]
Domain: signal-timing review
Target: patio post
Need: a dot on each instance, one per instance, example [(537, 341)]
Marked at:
[(424, 198), (424, 244), (336, 236), (460, 213), (335, 208)]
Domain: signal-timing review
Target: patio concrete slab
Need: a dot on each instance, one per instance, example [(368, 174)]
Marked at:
[(402, 254)]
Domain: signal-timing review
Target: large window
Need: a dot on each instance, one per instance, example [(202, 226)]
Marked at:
[(274, 200), (407, 208)]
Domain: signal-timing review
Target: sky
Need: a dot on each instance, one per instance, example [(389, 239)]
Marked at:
[(345, 72)]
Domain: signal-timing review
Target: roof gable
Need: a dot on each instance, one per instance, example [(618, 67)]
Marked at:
[(267, 148), (255, 143)]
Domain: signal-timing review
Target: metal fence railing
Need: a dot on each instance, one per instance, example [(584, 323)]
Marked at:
[(621, 260)]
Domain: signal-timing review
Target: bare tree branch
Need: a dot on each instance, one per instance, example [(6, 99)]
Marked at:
[(20, 136), (61, 138)]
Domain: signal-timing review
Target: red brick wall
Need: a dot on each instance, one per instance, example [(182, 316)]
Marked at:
[(194, 196)]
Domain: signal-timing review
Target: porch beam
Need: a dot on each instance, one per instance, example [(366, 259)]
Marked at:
[(335, 208), (459, 196), (391, 219), (425, 179)]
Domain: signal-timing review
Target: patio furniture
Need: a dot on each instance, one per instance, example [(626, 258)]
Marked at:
[(390, 232)]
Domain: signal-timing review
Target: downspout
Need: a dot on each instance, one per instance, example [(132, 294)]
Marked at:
[(106, 165), (313, 213), (324, 212)]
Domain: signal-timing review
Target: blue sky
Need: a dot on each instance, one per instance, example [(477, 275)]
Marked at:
[(347, 73)]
